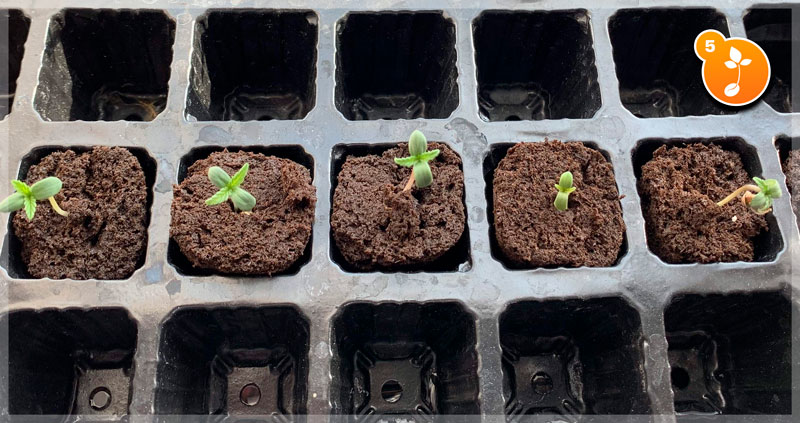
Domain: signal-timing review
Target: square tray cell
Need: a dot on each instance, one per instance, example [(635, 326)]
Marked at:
[(771, 28), (571, 358), (295, 153), (458, 259), (412, 359), (496, 154), (103, 64), (659, 74), (535, 65), (11, 255), (253, 65), (14, 26), (730, 354), (769, 243), (243, 361), (785, 145), (69, 362), (396, 65)]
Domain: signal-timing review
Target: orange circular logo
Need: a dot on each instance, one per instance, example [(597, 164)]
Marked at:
[(736, 71)]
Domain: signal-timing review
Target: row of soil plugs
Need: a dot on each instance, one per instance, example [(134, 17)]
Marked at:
[(568, 357), (401, 210)]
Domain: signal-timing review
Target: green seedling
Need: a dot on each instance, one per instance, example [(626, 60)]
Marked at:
[(27, 196), (229, 188), (418, 161), (757, 197), (565, 188)]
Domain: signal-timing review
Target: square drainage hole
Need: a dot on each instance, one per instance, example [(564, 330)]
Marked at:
[(102, 64), (253, 65), (730, 354), (70, 362), (771, 28), (410, 359), (572, 358), (233, 361), (396, 65), (659, 74), (535, 65), (14, 26)]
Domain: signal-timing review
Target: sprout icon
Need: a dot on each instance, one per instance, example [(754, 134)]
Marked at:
[(736, 62)]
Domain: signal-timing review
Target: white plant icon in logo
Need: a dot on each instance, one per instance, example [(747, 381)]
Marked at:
[(736, 62)]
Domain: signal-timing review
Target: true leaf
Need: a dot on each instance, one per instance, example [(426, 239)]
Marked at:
[(405, 161), (21, 187), (220, 197), (30, 207), (428, 155), (238, 178)]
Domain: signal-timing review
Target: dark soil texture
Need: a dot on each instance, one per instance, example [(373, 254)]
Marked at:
[(531, 232), (679, 188), (105, 235), (267, 240), (378, 226), (791, 168)]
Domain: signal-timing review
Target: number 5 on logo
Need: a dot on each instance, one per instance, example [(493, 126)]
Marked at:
[(736, 71)]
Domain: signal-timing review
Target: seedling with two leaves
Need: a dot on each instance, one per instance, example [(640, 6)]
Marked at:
[(230, 188), (27, 196), (418, 161), (758, 197)]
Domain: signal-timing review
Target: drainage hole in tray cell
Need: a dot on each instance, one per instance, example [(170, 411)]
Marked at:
[(100, 398), (680, 378), (250, 395), (391, 391), (542, 383)]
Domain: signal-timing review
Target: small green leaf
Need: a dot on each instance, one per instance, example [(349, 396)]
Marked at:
[(238, 178), (405, 161), (21, 187), (220, 197), (760, 202), (762, 184), (417, 143), (428, 155), (218, 177), (562, 198), (242, 199), (14, 202), (565, 181), (422, 174), (46, 188), (30, 207), (773, 190)]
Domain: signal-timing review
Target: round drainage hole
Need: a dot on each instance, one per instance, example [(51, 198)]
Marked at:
[(680, 378), (391, 391), (250, 395), (542, 383), (100, 398)]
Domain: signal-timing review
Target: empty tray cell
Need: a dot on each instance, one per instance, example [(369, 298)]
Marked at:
[(771, 28), (409, 359), (730, 354), (571, 358), (535, 65), (663, 228), (102, 64), (396, 65), (243, 361), (658, 71), (70, 362), (14, 26), (253, 65)]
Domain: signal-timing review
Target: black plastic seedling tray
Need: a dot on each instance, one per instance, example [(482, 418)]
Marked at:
[(468, 338)]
